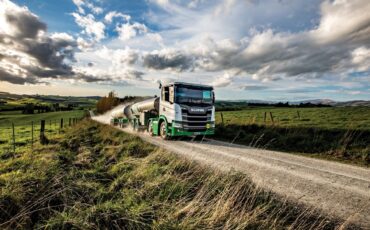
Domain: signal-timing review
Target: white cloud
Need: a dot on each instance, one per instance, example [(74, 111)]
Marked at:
[(162, 3), (62, 36), (79, 4), (343, 20), (195, 3), (28, 55), (128, 31), (222, 81), (339, 42), (114, 14), (84, 3), (115, 65), (361, 58), (90, 26), (94, 9), (120, 58), (83, 44)]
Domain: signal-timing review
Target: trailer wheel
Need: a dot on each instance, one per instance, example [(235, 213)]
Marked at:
[(136, 125), (163, 131), (150, 128)]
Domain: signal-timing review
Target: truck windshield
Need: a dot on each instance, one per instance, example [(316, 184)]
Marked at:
[(190, 95)]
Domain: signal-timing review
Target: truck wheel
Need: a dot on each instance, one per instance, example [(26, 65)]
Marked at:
[(150, 128), (163, 131)]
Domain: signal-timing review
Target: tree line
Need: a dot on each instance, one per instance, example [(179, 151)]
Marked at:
[(107, 103)]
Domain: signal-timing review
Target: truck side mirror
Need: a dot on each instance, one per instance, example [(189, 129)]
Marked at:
[(213, 97)]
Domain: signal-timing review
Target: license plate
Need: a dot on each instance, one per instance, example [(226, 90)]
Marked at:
[(197, 133)]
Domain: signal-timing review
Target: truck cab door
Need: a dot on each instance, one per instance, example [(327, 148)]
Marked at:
[(166, 107)]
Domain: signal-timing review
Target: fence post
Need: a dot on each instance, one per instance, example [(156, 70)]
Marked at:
[(32, 135), (222, 118), (264, 118), (43, 139), (13, 138), (299, 115), (61, 125), (272, 118)]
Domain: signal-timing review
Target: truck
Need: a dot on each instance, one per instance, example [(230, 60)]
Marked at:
[(182, 109)]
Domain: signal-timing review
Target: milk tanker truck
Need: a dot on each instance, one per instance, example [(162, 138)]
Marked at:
[(183, 109)]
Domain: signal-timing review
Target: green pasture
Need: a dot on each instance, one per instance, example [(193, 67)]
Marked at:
[(23, 127), (347, 118), (337, 133)]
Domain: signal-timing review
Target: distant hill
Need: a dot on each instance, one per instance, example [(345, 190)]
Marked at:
[(335, 103), (240, 104), (9, 101)]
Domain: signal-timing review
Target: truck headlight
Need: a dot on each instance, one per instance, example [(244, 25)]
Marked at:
[(176, 125), (210, 125)]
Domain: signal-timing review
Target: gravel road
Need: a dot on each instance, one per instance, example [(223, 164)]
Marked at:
[(338, 189)]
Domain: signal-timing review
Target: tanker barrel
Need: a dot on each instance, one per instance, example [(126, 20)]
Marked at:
[(147, 105), (117, 113)]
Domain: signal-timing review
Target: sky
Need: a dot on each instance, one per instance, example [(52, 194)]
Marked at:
[(280, 50)]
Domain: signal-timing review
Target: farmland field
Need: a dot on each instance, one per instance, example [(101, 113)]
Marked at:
[(322, 118), (23, 126), (340, 133)]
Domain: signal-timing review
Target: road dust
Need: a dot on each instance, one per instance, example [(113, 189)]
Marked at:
[(107, 116), (337, 189)]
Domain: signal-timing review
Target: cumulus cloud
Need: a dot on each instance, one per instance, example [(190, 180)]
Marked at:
[(84, 3), (339, 43), (223, 46), (361, 58), (28, 54), (83, 44), (225, 80), (116, 65), (168, 59), (127, 31), (90, 26), (114, 14), (79, 4), (119, 57)]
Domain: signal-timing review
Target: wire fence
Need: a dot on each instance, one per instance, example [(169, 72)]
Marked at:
[(14, 137)]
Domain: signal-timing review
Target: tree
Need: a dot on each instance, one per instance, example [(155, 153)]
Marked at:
[(28, 108), (107, 103)]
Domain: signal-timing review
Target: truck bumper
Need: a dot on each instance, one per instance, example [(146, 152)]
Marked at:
[(176, 132)]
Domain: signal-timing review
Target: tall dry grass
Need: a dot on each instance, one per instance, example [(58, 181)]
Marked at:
[(95, 177)]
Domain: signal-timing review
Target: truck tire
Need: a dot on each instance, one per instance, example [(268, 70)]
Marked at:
[(163, 131)]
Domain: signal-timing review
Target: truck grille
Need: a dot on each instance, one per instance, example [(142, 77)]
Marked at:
[(196, 122)]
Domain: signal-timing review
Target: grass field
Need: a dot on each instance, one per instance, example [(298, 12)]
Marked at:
[(23, 126), (332, 133), (97, 177), (357, 118)]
